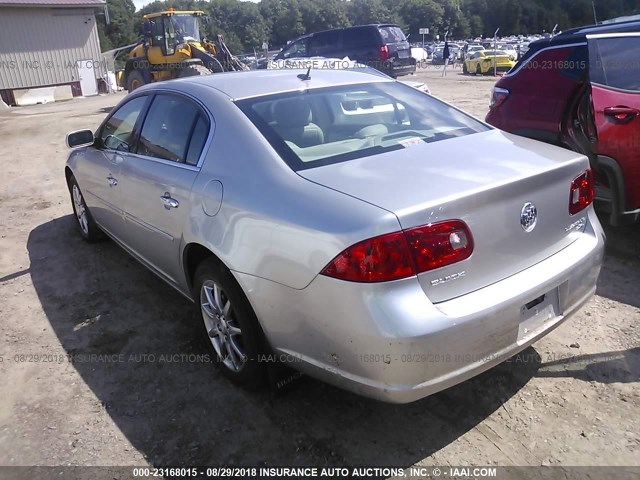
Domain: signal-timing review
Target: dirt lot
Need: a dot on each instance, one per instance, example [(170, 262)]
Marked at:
[(572, 399)]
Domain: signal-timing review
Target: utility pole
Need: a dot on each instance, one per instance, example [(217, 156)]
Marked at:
[(495, 46), (445, 52)]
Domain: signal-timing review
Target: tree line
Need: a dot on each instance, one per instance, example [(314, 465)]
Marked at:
[(246, 25)]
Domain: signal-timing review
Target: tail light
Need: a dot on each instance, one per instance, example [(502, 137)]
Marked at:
[(582, 192), (439, 244), (384, 52), (403, 254), (498, 96)]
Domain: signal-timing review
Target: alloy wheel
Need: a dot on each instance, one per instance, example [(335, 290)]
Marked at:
[(222, 326), (81, 210)]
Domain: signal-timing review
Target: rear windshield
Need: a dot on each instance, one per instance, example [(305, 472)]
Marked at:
[(392, 35), (311, 128)]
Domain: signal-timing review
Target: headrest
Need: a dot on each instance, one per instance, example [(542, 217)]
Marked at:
[(292, 112)]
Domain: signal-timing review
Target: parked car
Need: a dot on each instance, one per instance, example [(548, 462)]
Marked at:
[(263, 61), (471, 48), (522, 49), (438, 54), (381, 46), (420, 54), (354, 227), (430, 47), (482, 62), (507, 49), (581, 90)]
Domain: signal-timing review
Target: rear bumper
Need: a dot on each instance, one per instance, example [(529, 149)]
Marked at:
[(395, 67), (499, 68), (389, 342)]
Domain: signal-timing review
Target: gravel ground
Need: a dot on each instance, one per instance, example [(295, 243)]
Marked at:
[(571, 399)]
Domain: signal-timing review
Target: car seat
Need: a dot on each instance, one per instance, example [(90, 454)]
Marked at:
[(293, 122)]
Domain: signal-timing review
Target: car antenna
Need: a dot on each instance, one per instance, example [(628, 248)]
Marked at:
[(305, 76)]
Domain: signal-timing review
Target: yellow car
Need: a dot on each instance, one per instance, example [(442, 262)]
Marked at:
[(481, 62)]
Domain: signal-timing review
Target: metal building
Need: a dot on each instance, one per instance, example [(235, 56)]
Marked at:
[(49, 49)]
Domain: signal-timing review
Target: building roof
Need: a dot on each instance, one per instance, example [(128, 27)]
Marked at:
[(52, 3)]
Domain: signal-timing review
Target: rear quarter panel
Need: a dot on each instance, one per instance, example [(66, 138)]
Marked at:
[(540, 90), (272, 223)]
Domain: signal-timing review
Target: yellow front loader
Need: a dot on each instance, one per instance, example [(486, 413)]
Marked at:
[(172, 48)]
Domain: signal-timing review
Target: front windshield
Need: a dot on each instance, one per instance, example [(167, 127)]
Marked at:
[(186, 28), (316, 127)]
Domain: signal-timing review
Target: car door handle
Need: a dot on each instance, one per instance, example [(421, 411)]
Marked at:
[(112, 181), (621, 113), (169, 202)]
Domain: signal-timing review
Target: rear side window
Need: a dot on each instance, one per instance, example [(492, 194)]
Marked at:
[(173, 130), (324, 43), (392, 35), (576, 63), (198, 140), (565, 60), (615, 62), (359, 38)]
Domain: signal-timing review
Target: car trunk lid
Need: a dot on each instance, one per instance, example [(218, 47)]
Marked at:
[(484, 179)]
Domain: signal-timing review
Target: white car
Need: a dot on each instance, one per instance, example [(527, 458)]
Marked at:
[(420, 54)]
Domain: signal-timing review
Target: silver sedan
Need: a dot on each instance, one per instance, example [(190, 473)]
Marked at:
[(364, 232)]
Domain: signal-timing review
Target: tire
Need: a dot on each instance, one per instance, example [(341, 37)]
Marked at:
[(86, 224), (464, 68), (478, 70), (194, 70), (231, 326), (135, 79)]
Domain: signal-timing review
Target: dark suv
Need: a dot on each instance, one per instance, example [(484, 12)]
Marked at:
[(381, 46), (581, 90)]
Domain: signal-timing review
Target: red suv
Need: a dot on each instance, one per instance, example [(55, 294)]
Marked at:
[(581, 90)]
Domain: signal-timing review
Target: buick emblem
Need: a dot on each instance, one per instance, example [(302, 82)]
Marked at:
[(528, 217)]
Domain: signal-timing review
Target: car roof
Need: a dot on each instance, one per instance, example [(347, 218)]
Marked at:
[(579, 34), (619, 27), (368, 25), (257, 83)]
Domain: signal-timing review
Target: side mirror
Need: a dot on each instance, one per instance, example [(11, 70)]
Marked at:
[(80, 138)]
